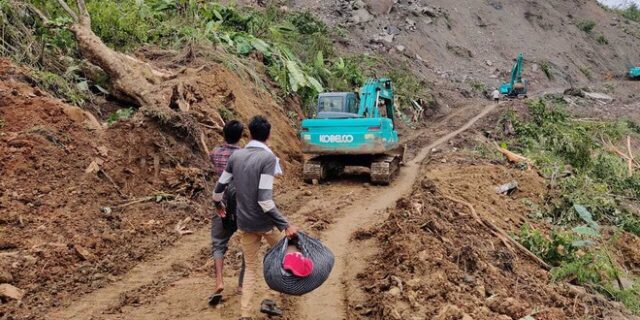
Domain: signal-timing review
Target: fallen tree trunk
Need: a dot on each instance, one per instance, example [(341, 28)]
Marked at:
[(160, 94)]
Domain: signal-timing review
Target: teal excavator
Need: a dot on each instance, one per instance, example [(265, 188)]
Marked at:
[(517, 87), (634, 73), (351, 129)]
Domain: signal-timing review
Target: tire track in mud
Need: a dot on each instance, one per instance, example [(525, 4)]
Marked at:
[(329, 301)]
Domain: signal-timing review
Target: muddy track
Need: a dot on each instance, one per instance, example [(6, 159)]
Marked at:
[(328, 302), (160, 291)]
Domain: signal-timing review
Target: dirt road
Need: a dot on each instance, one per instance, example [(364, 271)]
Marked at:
[(169, 287), (328, 302)]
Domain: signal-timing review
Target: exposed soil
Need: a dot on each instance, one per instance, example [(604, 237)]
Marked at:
[(88, 210), (83, 202), (441, 264)]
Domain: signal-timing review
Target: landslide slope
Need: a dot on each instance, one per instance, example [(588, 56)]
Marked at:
[(82, 202), (575, 41)]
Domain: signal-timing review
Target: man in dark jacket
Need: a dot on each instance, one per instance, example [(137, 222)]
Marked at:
[(253, 169)]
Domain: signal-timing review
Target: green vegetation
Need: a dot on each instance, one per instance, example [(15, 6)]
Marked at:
[(69, 87), (295, 47), (226, 114), (545, 66), (586, 25), (586, 71), (588, 185), (120, 114), (601, 39), (478, 86), (631, 13)]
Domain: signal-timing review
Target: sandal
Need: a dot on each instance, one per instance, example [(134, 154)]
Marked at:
[(270, 308), (215, 298)]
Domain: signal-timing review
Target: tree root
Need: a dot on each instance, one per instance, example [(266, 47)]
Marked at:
[(499, 233), (156, 92)]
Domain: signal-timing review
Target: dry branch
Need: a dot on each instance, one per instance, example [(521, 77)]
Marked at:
[(501, 234), (68, 9), (513, 157), (631, 161)]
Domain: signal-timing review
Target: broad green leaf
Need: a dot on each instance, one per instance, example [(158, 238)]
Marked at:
[(315, 84), (217, 14), (83, 86), (297, 78), (586, 216), (261, 46), (210, 26), (243, 47), (101, 89), (581, 243), (320, 59), (227, 39), (586, 231)]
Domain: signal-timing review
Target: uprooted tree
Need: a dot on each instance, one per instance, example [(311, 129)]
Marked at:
[(159, 94)]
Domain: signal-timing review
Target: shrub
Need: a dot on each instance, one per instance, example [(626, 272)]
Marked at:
[(586, 25), (478, 86), (601, 39), (120, 114), (545, 66), (632, 12), (586, 72)]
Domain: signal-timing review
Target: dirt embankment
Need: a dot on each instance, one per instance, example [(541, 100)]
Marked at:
[(82, 202), (442, 264)]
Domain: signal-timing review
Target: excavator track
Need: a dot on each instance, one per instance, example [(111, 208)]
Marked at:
[(384, 169), (314, 169)]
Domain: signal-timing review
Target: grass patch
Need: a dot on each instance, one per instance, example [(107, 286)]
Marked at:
[(586, 25), (586, 72), (602, 40), (478, 86), (120, 114), (66, 87), (545, 66), (631, 13)]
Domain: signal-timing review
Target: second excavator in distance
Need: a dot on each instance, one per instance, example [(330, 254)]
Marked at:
[(350, 129), (516, 87)]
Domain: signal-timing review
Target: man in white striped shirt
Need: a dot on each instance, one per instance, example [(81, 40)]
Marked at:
[(252, 170)]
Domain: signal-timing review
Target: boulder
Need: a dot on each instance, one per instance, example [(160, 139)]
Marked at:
[(82, 117), (361, 15), (380, 7), (9, 292), (5, 276), (601, 97)]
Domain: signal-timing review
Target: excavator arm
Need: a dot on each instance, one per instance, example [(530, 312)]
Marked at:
[(516, 86), (375, 93)]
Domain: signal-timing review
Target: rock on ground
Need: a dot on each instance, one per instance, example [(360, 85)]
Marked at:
[(380, 7), (10, 292)]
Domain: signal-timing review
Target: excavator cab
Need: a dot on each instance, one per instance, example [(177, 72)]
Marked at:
[(337, 105), (634, 73)]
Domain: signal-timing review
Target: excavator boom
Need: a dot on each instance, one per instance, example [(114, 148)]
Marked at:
[(517, 86)]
